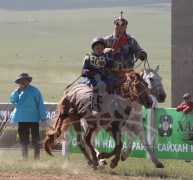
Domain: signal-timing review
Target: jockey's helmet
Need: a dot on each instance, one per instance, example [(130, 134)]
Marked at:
[(97, 40), (186, 96), (120, 20)]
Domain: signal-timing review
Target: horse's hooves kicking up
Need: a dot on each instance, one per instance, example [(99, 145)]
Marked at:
[(93, 165), (103, 163)]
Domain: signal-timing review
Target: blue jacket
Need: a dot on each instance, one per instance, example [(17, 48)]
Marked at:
[(29, 105)]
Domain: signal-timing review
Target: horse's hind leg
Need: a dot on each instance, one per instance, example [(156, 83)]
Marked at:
[(87, 138), (80, 141), (141, 134), (102, 162)]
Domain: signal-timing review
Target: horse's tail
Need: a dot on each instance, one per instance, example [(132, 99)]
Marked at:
[(56, 130)]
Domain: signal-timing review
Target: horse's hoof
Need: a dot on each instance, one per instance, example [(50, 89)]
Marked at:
[(103, 163), (123, 158), (159, 165), (93, 168), (101, 156), (113, 165), (93, 163)]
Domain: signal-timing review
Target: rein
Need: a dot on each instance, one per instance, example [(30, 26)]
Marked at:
[(131, 89)]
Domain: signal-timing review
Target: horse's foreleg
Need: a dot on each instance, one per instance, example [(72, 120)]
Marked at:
[(130, 135), (118, 147), (117, 150), (141, 134)]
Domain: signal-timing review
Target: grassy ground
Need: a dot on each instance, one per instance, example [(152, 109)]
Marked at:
[(132, 168), (51, 45)]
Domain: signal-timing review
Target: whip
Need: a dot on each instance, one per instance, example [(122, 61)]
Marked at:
[(67, 86)]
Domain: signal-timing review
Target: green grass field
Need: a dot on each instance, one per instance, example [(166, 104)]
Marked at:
[(132, 168), (51, 45)]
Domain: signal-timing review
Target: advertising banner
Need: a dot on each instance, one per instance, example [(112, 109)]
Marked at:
[(105, 143), (172, 130), (9, 132)]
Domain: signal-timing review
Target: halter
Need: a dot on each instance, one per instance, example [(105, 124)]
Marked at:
[(131, 92), (151, 89)]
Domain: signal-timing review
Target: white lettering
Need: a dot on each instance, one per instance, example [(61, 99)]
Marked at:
[(97, 143), (51, 115), (111, 144), (185, 147), (124, 145), (173, 147), (105, 144)]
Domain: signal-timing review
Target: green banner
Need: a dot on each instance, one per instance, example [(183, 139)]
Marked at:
[(105, 143), (172, 128)]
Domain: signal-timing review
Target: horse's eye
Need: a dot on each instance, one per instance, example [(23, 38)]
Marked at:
[(151, 79)]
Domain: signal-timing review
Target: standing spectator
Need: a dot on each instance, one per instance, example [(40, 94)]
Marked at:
[(29, 110), (186, 106)]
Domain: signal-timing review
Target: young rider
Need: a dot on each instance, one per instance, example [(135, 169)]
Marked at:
[(96, 69)]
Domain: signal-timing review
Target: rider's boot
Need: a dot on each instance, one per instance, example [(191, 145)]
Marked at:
[(96, 100)]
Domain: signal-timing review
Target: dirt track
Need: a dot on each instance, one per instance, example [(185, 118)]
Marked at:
[(25, 176)]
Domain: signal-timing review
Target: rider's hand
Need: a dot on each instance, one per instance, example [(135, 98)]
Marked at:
[(110, 51), (113, 52), (142, 55), (20, 88), (85, 72), (101, 62)]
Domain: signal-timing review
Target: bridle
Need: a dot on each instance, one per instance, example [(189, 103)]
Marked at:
[(129, 87)]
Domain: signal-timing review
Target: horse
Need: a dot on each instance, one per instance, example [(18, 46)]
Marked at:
[(75, 105), (134, 123)]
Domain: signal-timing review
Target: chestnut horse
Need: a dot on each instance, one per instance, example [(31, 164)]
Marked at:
[(134, 124), (76, 105)]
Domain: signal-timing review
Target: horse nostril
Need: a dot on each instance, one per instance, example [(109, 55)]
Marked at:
[(162, 96)]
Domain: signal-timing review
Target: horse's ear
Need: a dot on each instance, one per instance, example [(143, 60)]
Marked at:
[(146, 71), (157, 68)]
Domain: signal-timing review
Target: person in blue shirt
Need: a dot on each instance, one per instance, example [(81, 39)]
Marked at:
[(97, 63), (95, 69), (29, 110)]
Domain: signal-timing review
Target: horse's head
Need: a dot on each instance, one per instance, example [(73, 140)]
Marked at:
[(154, 82), (137, 89)]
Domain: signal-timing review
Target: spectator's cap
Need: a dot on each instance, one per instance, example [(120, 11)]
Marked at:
[(97, 40), (186, 96), (120, 20), (23, 76)]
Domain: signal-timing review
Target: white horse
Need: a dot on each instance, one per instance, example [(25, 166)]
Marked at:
[(134, 124)]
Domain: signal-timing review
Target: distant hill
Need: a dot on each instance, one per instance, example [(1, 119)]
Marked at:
[(26, 5)]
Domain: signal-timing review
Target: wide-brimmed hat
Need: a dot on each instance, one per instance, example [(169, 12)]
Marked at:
[(23, 76), (120, 20), (187, 95)]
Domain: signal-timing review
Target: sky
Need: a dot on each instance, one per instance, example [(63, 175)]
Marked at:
[(28, 5)]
